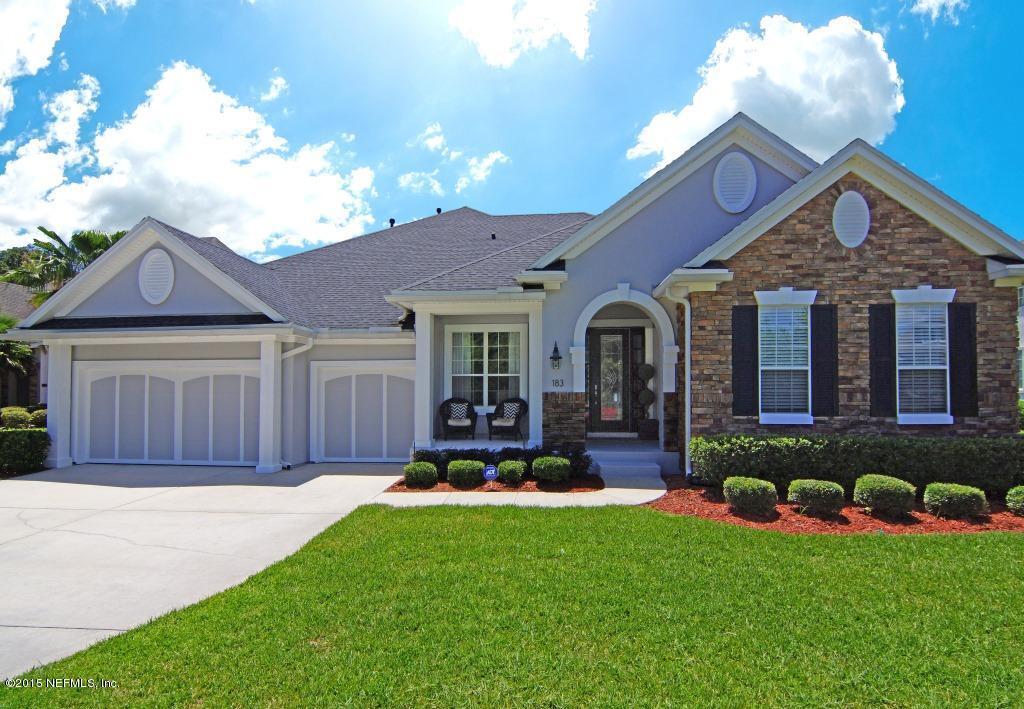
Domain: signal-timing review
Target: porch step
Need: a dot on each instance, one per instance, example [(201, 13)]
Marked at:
[(627, 469)]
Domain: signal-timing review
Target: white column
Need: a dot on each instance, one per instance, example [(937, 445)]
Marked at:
[(43, 374), (535, 377), (578, 357), (424, 407), (58, 414), (270, 406)]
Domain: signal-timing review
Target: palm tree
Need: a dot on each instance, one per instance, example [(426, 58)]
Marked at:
[(50, 264), (13, 355)]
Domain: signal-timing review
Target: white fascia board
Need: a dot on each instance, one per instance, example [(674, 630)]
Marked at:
[(1005, 274), (241, 333), (683, 281), (739, 130), (551, 280), (413, 299), (874, 167)]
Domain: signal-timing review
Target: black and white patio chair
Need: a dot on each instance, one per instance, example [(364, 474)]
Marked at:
[(458, 417), (506, 418)]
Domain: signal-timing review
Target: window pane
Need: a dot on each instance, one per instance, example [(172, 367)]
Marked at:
[(503, 353), (921, 335), (612, 366), (499, 388), (922, 391), (784, 337), (467, 353), (471, 388), (784, 391)]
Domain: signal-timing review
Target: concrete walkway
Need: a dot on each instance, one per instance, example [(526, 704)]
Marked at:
[(92, 551)]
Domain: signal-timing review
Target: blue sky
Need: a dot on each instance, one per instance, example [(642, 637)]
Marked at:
[(118, 109)]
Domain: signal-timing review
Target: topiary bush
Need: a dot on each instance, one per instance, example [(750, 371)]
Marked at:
[(37, 418), (1015, 500), (954, 501), (23, 450), (884, 495), (817, 497), (750, 495), (511, 472), (420, 474), (465, 473), (15, 417), (552, 468), (1020, 415)]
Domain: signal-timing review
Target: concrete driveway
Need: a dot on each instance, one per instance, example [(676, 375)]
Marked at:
[(92, 551)]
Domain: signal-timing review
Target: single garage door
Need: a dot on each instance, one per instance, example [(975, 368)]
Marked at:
[(361, 411), (180, 412)]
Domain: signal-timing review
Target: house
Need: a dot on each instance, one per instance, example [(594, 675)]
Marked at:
[(742, 288), (17, 389)]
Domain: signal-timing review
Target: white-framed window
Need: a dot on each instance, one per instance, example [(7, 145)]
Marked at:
[(922, 356), (784, 355), (485, 363)]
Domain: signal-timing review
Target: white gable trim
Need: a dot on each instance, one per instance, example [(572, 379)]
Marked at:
[(739, 131), (142, 236), (859, 158)]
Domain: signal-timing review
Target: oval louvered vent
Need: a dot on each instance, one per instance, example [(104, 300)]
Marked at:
[(851, 219), (156, 276), (735, 182)]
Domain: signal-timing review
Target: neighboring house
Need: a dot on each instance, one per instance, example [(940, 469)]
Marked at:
[(767, 293), (16, 388)]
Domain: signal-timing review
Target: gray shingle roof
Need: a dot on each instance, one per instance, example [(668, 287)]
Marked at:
[(15, 300), (343, 285)]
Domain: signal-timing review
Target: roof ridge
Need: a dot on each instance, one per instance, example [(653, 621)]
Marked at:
[(496, 253)]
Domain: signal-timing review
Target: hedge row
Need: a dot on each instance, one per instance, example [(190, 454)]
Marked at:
[(23, 450), (579, 460), (992, 464)]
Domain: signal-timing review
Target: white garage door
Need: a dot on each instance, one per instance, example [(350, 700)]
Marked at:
[(186, 412), (361, 411)]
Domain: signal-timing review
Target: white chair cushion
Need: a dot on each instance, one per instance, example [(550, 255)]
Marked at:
[(459, 422), (503, 422)]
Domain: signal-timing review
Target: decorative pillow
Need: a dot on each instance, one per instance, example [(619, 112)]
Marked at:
[(511, 409), (458, 410)]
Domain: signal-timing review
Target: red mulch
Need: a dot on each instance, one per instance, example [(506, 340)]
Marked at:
[(685, 499), (585, 483)]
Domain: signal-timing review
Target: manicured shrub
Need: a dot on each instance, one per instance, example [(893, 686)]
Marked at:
[(817, 497), (23, 450), (1015, 500), (552, 468), (1020, 415), (511, 472), (995, 464), (15, 417), (955, 501), (750, 495), (37, 418), (884, 495), (420, 474), (465, 473)]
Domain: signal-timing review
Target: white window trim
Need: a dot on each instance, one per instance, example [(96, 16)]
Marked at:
[(788, 298), (449, 330), (923, 295), (785, 296)]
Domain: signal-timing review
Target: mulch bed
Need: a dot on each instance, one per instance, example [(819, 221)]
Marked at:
[(685, 499), (585, 483)]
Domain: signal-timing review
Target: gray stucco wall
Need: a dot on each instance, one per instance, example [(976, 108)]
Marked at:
[(192, 294)]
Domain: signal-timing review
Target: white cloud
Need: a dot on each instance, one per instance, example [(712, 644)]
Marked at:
[(69, 108), (120, 4), (817, 88), (420, 182), (194, 157), (432, 138), (503, 29), (29, 30), (934, 9), (480, 169), (347, 137), (278, 85)]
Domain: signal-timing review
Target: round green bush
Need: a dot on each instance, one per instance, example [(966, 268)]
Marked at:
[(552, 468), (884, 495), (511, 472), (15, 417), (420, 474), (817, 497), (750, 495), (1015, 500), (37, 418), (952, 500), (466, 473)]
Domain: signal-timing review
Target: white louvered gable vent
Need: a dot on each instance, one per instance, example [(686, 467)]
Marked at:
[(156, 276), (735, 182), (851, 219)]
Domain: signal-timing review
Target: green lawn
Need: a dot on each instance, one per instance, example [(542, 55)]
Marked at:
[(501, 606)]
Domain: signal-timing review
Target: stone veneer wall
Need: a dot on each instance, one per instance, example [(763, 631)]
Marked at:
[(673, 435), (901, 251), (565, 417)]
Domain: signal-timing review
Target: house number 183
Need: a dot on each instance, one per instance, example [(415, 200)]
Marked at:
[(558, 382)]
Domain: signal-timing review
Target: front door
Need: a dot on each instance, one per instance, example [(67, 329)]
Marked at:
[(612, 356)]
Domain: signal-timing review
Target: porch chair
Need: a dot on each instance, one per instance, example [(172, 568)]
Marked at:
[(458, 417), (506, 418)]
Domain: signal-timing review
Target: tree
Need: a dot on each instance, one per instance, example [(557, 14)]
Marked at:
[(51, 263), (13, 355), (11, 258)]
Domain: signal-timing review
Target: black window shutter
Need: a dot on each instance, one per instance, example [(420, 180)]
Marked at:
[(882, 344), (824, 360), (963, 359), (744, 360)]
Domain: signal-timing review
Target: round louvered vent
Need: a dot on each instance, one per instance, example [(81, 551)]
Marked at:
[(851, 219), (156, 276), (735, 182)]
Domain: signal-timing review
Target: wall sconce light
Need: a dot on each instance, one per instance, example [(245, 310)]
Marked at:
[(556, 357)]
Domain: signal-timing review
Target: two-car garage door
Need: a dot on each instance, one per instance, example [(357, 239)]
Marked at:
[(185, 412)]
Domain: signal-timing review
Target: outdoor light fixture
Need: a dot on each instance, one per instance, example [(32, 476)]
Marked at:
[(556, 357)]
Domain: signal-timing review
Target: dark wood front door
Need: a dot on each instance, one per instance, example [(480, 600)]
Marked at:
[(612, 357)]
